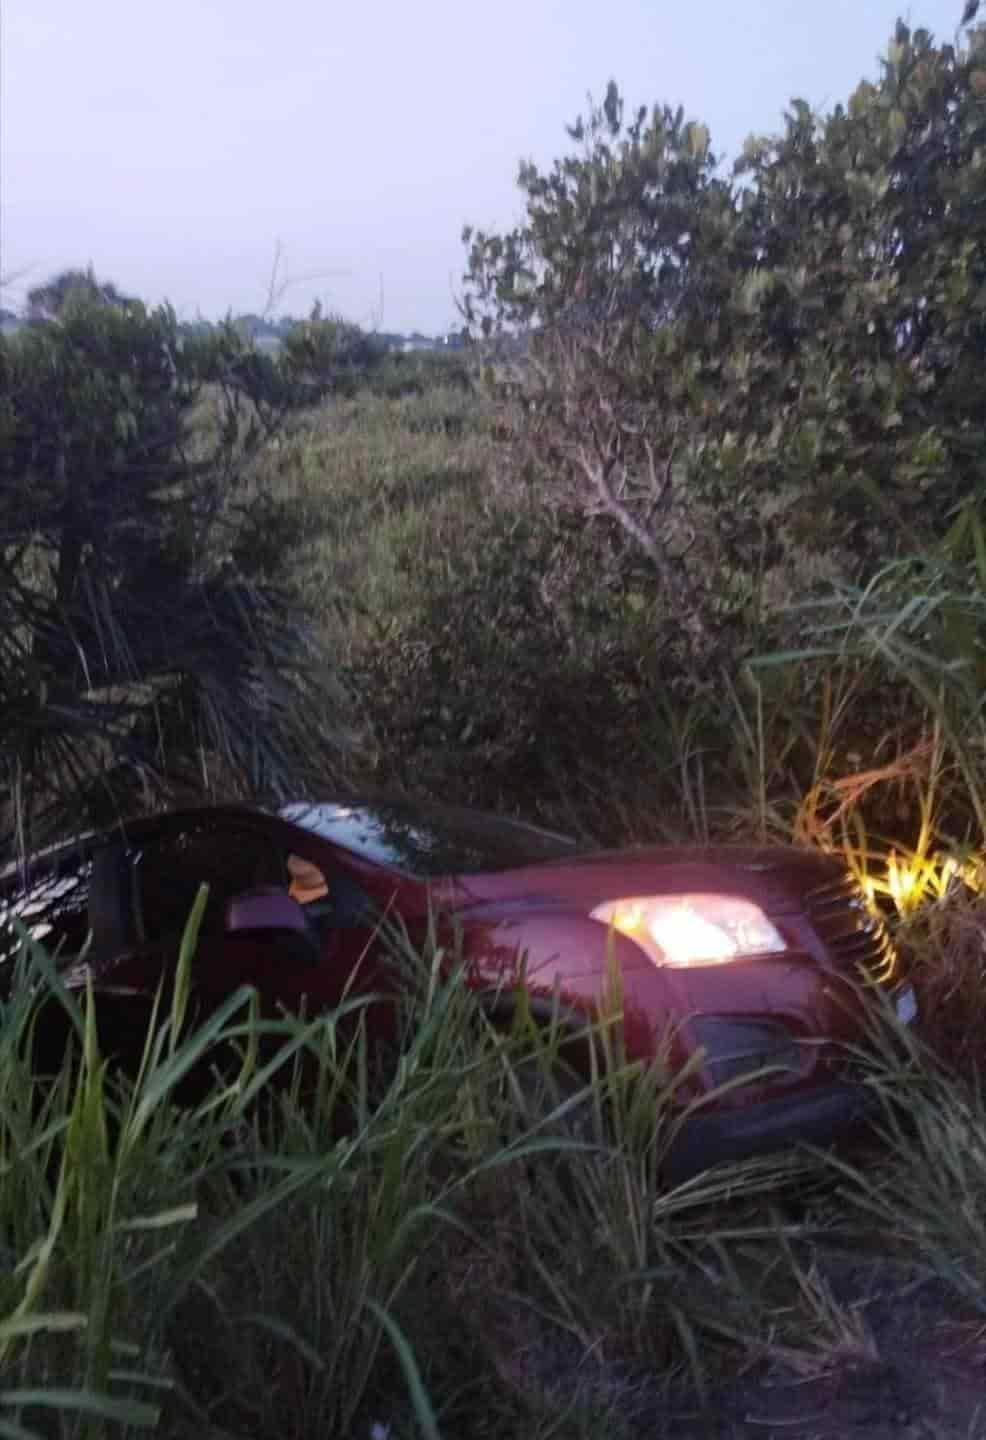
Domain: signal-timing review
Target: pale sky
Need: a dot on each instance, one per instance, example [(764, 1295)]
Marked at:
[(175, 143)]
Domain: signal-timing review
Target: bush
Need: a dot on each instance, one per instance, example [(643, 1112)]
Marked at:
[(520, 671), (323, 356), (418, 372), (142, 632), (782, 362)]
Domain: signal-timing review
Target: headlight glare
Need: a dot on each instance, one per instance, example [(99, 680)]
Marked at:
[(695, 929)]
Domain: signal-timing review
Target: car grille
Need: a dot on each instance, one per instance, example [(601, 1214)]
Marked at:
[(852, 934)]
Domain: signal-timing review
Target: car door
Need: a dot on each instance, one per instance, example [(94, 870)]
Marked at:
[(342, 922), (233, 857), (243, 858)]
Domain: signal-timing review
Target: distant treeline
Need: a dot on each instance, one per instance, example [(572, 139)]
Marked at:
[(263, 328)]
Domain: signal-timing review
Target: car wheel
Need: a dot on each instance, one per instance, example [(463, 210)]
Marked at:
[(548, 1100)]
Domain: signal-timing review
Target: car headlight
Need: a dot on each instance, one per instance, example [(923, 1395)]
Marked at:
[(696, 929)]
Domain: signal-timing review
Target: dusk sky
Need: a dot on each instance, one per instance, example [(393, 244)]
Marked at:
[(175, 145)]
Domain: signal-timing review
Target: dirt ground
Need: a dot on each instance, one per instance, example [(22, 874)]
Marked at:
[(919, 1375), (917, 1372)]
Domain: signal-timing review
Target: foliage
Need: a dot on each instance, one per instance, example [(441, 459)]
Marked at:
[(47, 301), (259, 1259), (135, 636), (505, 654), (785, 361), (751, 386), (517, 672), (419, 372), (329, 355)]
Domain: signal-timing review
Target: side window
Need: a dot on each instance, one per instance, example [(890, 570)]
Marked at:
[(329, 897), (229, 858)]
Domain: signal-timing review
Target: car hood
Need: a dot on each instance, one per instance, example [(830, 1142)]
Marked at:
[(777, 876)]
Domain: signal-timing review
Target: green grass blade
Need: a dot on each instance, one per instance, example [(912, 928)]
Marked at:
[(420, 1402), (84, 1402), (56, 1320)]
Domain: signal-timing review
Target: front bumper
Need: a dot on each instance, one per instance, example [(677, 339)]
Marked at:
[(814, 1115), (817, 1116)]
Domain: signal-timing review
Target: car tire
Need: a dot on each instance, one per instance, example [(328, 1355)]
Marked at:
[(535, 1092)]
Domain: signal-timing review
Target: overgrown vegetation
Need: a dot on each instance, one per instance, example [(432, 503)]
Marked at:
[(334, 1241), (690, 543), (149, 639)]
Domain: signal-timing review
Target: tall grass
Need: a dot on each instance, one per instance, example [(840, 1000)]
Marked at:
[(331, 1238), (465, 1235), (371, 484), (850, 719), (890, 690)]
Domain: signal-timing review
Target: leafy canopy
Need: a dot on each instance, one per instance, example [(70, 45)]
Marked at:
[(735, 368)]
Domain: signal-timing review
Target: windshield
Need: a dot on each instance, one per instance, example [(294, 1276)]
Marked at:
[(428, 841), (50, 901)]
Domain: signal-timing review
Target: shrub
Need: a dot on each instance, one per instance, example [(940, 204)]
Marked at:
[(782, 361), (141, 632)]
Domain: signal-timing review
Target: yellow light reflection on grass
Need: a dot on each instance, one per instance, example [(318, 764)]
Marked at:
[(911, 881)]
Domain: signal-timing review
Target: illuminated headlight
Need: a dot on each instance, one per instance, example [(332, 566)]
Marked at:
[(692, 929)]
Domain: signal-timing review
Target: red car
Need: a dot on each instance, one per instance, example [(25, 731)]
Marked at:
[(752, 955)]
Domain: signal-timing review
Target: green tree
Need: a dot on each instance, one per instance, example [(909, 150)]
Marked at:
[(48, 300), (735, 369), (327, 355), (142, 640)]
